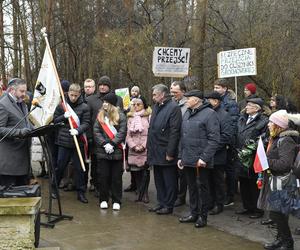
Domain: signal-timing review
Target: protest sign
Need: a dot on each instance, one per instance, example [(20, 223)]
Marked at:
[(124, 94), (170, 61), (239, 62)]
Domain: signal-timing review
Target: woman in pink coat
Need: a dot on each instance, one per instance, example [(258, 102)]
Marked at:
[(138, 124)]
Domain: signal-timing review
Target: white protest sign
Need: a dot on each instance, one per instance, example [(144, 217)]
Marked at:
[(170, 61), (239, 62)]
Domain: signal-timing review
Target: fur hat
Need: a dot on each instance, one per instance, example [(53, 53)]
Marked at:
[(280, 118), (111, 98), (251, 87)]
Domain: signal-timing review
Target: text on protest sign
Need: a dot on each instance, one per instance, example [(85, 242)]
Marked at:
[(239, 62), (170, 61)]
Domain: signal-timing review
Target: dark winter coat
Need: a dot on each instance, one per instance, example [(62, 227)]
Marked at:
[(226, 133), (200, 136), (63, 137), (282, 152), (280, 157), (14, 151), (230, 106), (250, 131), (95, 103), (101, 138), (164, 133)]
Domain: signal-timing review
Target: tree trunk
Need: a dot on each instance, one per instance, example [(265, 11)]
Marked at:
[(2, 52), (24, 36), (16, 38), (200, 41)]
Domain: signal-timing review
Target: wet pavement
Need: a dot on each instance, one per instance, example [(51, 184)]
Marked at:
[(133, 227)]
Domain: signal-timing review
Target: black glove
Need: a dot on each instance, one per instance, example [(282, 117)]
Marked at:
[(23, 132)]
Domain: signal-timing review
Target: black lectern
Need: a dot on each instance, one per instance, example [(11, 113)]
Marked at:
[(43, 134)]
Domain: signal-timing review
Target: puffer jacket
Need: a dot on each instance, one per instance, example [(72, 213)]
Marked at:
[(200, 136), (101, 138), (63, 137)]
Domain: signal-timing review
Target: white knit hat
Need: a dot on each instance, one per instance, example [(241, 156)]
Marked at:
[(280, 118)]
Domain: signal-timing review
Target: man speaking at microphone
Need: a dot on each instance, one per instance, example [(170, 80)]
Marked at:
[(14, 148)]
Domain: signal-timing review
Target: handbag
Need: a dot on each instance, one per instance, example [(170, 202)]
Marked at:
[(281, 182)]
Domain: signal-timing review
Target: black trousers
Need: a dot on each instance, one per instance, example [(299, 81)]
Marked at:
[(282, 222), (249, 193), (230, 179), (14, 180), (165, 178), (94, 178), (217, 185), (182, 185), (199, 192), (109, 174), (63, 157)]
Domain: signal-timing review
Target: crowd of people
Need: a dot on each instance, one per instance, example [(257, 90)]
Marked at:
[(203, 143)]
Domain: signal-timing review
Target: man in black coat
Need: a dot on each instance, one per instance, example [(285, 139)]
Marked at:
[(14, 149), (162, 146), (230, 105), (65, 141), (200, 135), (216, 180), (250, 126)]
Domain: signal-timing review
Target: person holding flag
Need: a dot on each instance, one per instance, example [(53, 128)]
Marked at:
[(250, 126), (110, 131), (75, 109), (279, 184)]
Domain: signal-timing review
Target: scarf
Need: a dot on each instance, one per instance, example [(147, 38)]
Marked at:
[(136, 124)]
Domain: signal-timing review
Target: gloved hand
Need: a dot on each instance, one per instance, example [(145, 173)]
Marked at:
[(67, 114), (23, 132), (109, 149), (73, 131)]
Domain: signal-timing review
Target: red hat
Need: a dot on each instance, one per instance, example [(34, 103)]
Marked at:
[(251, 87)]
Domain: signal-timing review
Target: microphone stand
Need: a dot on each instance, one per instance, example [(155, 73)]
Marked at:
[(18, 123)]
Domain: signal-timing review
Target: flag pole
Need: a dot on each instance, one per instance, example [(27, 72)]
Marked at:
[(43, 30)]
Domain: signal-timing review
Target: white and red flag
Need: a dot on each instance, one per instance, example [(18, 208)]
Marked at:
[(261, 161), (46, 92)]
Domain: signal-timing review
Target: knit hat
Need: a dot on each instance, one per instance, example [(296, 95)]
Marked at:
[(214, 95), (251, 87), (65, 84), (280, 118), (111, 98), (194, 92), (104, 80)]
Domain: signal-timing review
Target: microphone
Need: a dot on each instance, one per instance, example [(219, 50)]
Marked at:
[(35, 103)]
